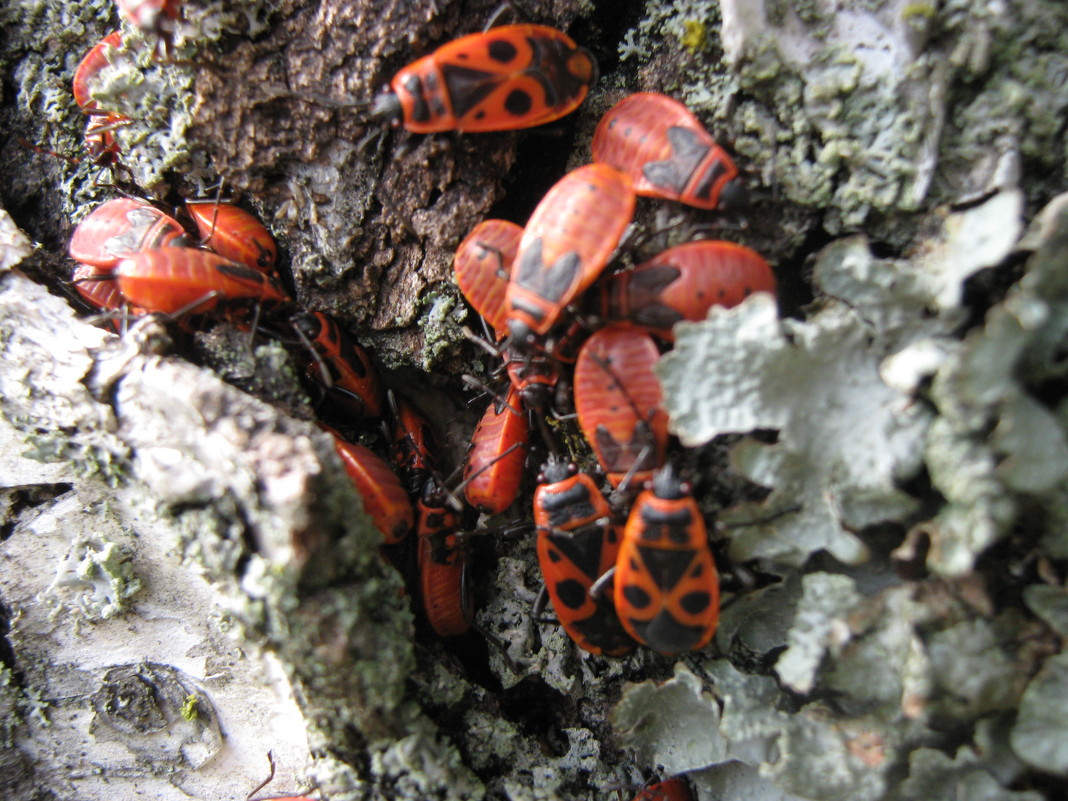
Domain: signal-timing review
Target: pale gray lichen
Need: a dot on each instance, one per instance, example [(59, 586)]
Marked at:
[(744, 369), (10, 716), (854, 110), (758, 622), (1050, 604), (881, 667), (864, 650), (674, 724), (15, 246), (993, 442), (818, 627), (94, 582), (920, 297), (810, 753), (901, 661), (982, 769), (1040, 734), (973, 666), (424, 762), (157, 97), (442, 323)]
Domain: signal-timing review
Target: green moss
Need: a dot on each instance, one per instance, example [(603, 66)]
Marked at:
[(695, 37), (923, 9), (441, 322), (94, 583), (190, 710)]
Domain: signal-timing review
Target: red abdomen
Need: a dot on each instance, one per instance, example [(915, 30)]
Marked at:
[(494, 466), (666, 151), (617, 397), (121, 228), (176, 279), (683, 283), (233, 233), (482, 265)]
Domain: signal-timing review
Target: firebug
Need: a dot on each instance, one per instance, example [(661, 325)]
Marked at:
[(666, 585), (682, 283), (667, 153), (503, 79), (617, 397)]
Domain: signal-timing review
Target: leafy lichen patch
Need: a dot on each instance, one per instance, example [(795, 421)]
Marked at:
[(15, 246), (845, 439), (910, 299), (1039, 736), (810, 753), (994, 440), (94, 582), (983, 769), (819, 626), (673, 724), (856, 110)]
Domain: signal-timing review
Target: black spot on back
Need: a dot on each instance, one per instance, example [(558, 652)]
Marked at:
[(502, 51), (572, 593), (694, 603), (468, 87), (241, 272), (708, 180), (518, 103), (687, 152), (636, 596)]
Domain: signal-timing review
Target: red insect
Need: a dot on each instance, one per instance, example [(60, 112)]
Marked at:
[(100, 141), (174, 279), (442, 565), (514, 76), (617, 397), (566, 499), (683, 283), (153, 17), (494, 466), (667, 153), (577, 543), (666, 585), (101, 55), (415, 446), (233, 233), (534, 376), (352, 373), (121, 228), (103, 295), (565, 246), (482, 265), (384, 499), (676, 789)]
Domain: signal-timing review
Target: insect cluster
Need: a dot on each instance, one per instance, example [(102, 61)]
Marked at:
[(630, 569), (210, 259), (134, 258), (541, 291), (622, 564)]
